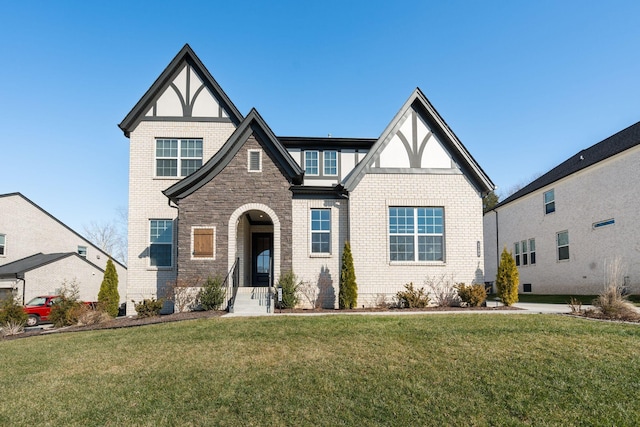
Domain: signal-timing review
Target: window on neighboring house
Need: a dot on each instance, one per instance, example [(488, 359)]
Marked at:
[(161, 242), (532, 251), (516, 251), (203, 242), (525, 254), (549, 202), (416, 231), (311, 162), (320, 231), (563, 245), (82, 251), (255, 160), (330, 162), (178, 157), (3, 244)]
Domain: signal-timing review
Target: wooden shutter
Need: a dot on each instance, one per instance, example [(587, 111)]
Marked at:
[(203, 243)]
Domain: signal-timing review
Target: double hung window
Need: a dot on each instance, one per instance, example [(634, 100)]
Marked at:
[(3, 244), (416, 233), (549, 202), (320, 231), (311, 162), (330, 163), (562, 239), (161, 242), (178, 157)]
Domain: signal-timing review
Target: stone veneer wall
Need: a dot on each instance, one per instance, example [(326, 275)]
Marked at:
[(214, 203)]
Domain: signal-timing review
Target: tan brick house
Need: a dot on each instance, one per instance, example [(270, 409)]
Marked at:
[(214, 192)]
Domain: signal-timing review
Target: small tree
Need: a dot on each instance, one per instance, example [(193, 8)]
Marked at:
[(348, 295), (289, 284), (212, 294), (66, 310), (108, 297), (489, 201), (507, 279), (11, 311)]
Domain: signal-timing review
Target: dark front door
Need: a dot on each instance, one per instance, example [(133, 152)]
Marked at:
[(262, 258)]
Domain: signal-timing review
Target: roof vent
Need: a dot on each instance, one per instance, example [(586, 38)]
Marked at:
[(581, 157)]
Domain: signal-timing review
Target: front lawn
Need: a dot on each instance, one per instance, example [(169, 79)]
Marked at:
[(471, 369)]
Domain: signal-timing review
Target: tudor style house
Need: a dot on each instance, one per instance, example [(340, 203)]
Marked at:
[(38, 253), (214, 192), (567, 227)]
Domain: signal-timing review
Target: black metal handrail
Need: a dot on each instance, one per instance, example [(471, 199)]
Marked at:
[(231, 282)]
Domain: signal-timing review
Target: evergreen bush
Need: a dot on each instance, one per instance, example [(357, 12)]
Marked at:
[(507, 279), (412, 297), (289, 284), (473, 296), (212, 294), (348, 294), (148, 307), (11, 312), (108, 297)]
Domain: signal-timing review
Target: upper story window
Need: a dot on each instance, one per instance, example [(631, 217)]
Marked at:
[(416, 231), (255, 160), (178, 157), (563, 245), (3, 244), (330, 162), (160, 242), (311, 163), (82, 251), (549, 202), (320, 231)]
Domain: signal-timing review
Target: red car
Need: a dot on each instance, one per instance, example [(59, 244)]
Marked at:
[(39, 309)]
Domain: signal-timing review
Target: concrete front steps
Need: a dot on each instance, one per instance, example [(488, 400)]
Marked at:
[(252, 302)]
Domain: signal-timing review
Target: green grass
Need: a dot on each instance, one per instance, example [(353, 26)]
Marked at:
[(474, 369)]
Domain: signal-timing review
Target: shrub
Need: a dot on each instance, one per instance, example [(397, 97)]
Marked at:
[(289, 284), (91, 316), (442, 291), (148, 307), (67, 308), (473, 296), (412, 297), (108, 297), (507, 279), (348, 294), (211, 295), (612, 302), (11, 311), (11, 328), (183, 294)]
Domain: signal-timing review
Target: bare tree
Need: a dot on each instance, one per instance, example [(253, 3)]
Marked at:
[(110, 236)]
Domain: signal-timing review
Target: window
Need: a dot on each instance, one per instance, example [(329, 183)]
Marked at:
[(563, 245), (516, 251), (330, 162), (82, 251), (311, 162), (3, 243), (172, 155), (202, 239), (161, 242), (601, 224), (549, 202), (320, 231), (525, 255), (532, 251), (255, 160), (416, 230)]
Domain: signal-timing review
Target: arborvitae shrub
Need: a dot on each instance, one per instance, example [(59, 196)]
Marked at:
[(412, 297), (289, 284), (348, 294), (507, 279), (148, 307), (11, 311), (474, 295), (212, 294), (108, 297)]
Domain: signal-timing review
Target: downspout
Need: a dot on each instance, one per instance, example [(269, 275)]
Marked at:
[(497, 242), (20, 276)]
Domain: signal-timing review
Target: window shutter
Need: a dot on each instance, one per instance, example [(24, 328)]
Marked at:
[(203, 243), (254, 160)]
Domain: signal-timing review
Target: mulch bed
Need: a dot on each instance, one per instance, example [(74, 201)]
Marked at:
[(133, 321)]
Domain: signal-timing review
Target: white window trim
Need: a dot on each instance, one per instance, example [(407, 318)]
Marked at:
[(305, 162), (324, 163), (203, 227), (312, 231), (178, 158), (416, 261), (85, 251), (253, 150), (545, 203), (172, 244), (4, 252), (558, 247)]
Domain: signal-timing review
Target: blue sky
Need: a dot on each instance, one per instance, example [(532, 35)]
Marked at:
[(524, 85)]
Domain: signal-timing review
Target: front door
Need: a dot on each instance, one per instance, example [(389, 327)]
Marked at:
[(262, 258)]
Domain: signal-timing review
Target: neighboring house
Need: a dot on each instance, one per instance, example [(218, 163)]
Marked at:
[(212, 191), (38, 253), (566, 228)]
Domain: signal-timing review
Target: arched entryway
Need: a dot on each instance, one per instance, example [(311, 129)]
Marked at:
[(254, 243)]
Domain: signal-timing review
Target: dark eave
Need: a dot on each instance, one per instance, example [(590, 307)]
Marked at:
[(17, 268), (308, 191), (615, 144), (326, 143)]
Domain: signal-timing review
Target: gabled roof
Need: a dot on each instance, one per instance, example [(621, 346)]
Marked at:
[(421, 104), (21, 266), (187, 55), (615, 144), (252, 124), (18, 194)]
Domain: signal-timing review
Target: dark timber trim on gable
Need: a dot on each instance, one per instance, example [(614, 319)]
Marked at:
[(419, 102), (185, 56), (252, 124)]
